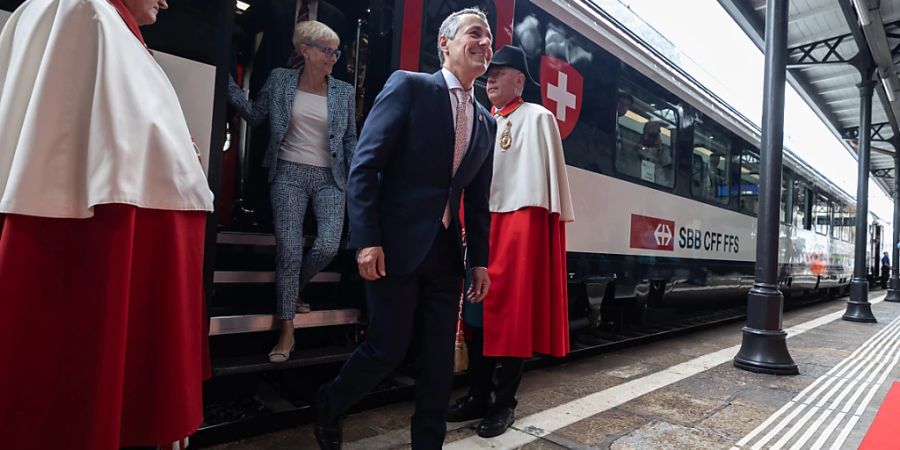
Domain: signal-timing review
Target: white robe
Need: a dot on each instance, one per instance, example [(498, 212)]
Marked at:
[(87, 117), (532, 171)]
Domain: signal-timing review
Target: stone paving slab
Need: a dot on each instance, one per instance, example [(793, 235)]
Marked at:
[(660, 434), (712, 409)]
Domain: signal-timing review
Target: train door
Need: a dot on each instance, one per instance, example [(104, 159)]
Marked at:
[(876, 235), (260, 41)]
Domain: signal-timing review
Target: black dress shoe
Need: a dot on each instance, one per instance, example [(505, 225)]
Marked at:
[(467, 408), (496, 424), (328, 432)]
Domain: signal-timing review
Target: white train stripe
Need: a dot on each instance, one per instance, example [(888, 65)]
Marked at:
[(876, 357), (530, 428)]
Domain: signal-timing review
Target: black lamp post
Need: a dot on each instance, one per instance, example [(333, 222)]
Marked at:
[(764, 345), (858, 307)]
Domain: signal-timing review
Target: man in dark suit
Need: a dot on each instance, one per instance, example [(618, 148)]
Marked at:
[(424, 142)]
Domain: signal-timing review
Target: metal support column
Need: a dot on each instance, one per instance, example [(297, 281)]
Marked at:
[(893, 294), (764, 345), (858, 307)]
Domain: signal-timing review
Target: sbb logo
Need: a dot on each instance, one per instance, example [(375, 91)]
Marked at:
[(652, 233)]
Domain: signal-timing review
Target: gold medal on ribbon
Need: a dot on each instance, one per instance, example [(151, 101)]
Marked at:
[(506, 136)]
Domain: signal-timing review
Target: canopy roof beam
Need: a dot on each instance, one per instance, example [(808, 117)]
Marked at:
[(877, 132)]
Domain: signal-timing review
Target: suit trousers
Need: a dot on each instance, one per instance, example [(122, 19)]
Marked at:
[(296, 186), (482, 370), (420, 307)]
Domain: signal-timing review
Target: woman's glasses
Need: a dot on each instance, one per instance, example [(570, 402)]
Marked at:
[(328, 51)]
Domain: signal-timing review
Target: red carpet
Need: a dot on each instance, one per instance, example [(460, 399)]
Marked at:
[(883, 432)]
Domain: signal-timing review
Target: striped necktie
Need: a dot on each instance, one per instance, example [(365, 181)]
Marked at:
[(461, 140)]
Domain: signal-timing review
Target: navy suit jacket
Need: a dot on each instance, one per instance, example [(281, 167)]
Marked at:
[(401, 173)]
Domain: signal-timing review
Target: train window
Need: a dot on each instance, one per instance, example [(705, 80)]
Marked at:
[(835, 221), (645, 134), (749, 183), (786, 186), (709, 163), (843, 221), (822, 213), (800, 206), (849, 223)]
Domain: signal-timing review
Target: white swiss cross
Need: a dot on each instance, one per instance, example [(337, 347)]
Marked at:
[(561, 95), (663, 235)]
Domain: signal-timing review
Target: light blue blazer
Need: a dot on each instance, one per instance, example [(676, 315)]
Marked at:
[(276, 101)]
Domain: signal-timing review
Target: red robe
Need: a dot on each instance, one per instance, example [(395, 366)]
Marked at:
[(103, 332), (526, 309)]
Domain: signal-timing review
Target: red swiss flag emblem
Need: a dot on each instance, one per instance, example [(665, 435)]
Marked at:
[(652, 233), (561, 92)]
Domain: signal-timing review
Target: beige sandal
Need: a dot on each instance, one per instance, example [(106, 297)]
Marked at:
[(303, 308), (277, 357)]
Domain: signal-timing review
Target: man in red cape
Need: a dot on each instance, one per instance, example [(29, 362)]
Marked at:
[(525, 311), (103, 207)]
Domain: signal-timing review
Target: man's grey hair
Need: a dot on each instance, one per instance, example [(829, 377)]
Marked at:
[(450, 26)]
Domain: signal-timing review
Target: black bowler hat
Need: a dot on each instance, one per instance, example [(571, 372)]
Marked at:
[(512, 56)]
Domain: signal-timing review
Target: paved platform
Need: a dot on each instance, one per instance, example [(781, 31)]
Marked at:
[(680, 393)]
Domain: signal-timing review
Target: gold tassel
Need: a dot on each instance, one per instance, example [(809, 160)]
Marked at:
[(461, 356), (460, 351)]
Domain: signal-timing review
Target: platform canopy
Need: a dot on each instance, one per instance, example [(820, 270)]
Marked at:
[(827, 41)]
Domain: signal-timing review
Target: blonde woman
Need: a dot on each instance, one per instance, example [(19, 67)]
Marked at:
[(313, 135)]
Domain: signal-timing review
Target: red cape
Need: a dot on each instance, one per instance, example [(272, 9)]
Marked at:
[(103, 331), (526, 309)]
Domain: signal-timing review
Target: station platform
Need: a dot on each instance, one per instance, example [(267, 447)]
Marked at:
[(684, 393)]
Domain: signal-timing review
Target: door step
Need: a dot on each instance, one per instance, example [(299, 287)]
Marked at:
[(236, 365), (262, 276), (223, 325)]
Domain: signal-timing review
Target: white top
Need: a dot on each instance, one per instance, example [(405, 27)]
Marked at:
[(89, 117), (453, 83), (532, 171), (306, 139)]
